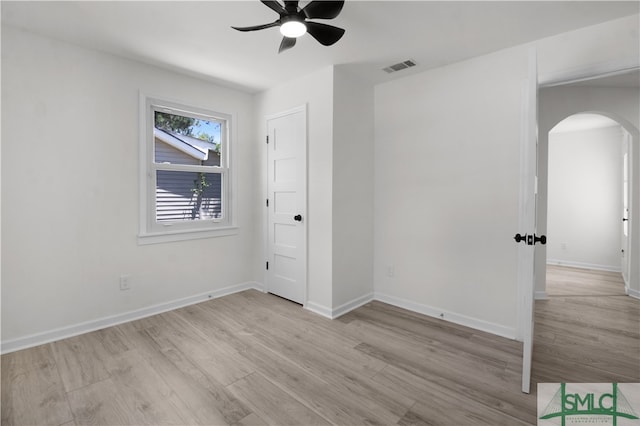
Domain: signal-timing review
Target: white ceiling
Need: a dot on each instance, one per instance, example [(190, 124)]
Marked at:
[(196, 38)]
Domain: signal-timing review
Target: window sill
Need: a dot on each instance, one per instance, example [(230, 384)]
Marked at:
[(185, 235)]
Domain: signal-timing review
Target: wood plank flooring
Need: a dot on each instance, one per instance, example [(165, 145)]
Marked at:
[(588, 330), (566, 281), (255, 359)]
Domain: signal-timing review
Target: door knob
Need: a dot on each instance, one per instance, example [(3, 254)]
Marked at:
[(520, 238), (541, 239), (297, 218), (530, 239), (624, 219)]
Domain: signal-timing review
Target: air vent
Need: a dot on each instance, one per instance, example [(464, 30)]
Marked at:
[(401, 66)]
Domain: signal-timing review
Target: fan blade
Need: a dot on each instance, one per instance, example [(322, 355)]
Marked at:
[(323, 9), (258, 27), (325, 34), (275, 6), (287, 43)]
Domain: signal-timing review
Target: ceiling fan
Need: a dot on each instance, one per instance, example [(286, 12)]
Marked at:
[(293, 21)]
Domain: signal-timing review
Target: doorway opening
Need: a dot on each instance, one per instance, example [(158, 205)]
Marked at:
[(586, 200), (612, 96)]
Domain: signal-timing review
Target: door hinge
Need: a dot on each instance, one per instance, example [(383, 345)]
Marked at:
[(267, 139), (267, 266), (267, 202)]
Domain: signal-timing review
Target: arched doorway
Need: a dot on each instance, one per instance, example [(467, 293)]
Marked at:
[(617, 99), (588, 244)]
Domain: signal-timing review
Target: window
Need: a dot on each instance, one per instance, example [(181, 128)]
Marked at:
[(186, 178)]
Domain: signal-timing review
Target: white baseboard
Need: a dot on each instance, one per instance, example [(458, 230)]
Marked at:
[(100, 323), (340, 310), (350, 306), (583, 265), (631, 292), (316, 308), (464, 320), (331, 313), (540, 295)]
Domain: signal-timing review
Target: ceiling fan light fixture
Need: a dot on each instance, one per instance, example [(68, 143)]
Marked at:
[(293, 21), (293, 29)]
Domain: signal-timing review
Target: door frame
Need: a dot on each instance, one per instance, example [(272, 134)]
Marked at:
[(302, 187), (560, 78)]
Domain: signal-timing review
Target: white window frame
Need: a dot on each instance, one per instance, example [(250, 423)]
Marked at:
[(152, 231)]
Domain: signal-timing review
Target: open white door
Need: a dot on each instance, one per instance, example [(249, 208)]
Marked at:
[(527, 237), (286, 204)]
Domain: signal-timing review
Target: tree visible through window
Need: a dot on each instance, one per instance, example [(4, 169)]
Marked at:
[(184, 195), (187, 169)]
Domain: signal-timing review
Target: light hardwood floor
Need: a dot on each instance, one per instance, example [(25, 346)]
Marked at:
[(566, 281), (588, 330), (255, 359)]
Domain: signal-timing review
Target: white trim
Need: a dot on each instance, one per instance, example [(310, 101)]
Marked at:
[(318, 309), (351, 305), (420, 308), (329, 313), (603, 69), (453, 317), (631, 292), (343, 309), (583, 265), (109, 321), (183, 235), (151, 232), (540, 295)]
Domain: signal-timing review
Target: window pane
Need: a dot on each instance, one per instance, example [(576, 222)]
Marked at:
[(185, 196), (180, 139)]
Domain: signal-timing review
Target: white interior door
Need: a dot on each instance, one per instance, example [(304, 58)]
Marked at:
[(527, 220), (625, 265), (286, 205)]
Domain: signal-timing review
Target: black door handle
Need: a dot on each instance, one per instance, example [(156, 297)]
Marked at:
[(541, 239), (297, 218), (520, 238), (624, 219), (530, 239)]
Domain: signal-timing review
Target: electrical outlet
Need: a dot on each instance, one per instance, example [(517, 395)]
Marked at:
[(125, 282), (391, 271), (563, 246)]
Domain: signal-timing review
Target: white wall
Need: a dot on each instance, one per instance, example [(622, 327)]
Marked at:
[(446, 174), (447, 182), (585, 198), (352, 189), (315, 90), (340, 183), (70, 189), (445, 178)]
